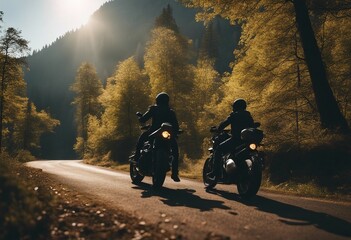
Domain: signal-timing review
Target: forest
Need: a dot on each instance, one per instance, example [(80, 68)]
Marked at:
[(77, 97), (291, 63), (21, 124)]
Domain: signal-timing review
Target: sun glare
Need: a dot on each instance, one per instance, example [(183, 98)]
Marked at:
[(75, 11)]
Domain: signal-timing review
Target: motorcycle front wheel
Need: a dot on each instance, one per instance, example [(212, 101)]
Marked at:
[(159, 175), (249, 182), (208, 167), (134, 174)]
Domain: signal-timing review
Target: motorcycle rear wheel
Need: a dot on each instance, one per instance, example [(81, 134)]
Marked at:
[(208, 167), (134, 174), (159, 175)]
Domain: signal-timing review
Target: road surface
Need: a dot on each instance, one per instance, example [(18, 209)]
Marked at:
[(187, 209)]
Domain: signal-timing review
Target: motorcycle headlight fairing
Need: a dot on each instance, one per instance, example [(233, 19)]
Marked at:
[(166, 134), (253, 146)]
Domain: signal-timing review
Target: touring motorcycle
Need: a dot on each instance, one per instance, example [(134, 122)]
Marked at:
[(242, 166), (155, 157)]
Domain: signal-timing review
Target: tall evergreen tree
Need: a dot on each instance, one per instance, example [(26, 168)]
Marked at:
[(167, 20), (87, 87), (12, 49), (209, 44), (167, 62)]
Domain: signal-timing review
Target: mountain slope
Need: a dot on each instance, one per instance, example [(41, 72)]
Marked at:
[(118, 30)]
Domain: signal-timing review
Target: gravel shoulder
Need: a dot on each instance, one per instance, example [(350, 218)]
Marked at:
[(78, 216)]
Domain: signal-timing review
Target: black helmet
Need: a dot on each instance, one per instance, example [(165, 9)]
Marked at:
[(239, 105), (162, 98)]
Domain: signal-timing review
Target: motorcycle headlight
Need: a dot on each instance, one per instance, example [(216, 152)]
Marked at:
[(253, 146), (166, 134)]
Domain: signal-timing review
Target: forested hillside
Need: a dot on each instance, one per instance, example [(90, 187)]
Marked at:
[(118, 30)]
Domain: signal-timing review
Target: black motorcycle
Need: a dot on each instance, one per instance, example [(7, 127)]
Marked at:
[(155, 156), (243, 166)]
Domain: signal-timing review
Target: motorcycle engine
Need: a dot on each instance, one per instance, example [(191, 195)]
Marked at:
[(230, 166)]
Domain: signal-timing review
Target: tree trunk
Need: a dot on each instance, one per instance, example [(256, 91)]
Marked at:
[(329, 111)]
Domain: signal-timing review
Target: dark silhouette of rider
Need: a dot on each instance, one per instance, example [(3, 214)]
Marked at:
[(161, 113), (239, 119)]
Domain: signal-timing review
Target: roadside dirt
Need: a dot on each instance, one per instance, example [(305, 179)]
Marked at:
[(77, 216)]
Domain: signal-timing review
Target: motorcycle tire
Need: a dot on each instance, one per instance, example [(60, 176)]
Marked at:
[(208, 166), (250, 182), (134, 174), (159, 175)]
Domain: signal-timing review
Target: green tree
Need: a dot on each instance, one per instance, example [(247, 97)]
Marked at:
[(23, 123), (166, 19), (209, 43), (248, 11), (336, 41), (206, 84), (167, 64), (34, 124), (127, 92), (87, 87), (12, 49)]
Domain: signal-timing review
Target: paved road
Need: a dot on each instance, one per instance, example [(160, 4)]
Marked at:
[(188, 209)]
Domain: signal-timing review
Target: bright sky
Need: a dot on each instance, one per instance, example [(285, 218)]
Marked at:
[(42, 21)]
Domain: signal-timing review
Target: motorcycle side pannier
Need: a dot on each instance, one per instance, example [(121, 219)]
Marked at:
[(252, 135)]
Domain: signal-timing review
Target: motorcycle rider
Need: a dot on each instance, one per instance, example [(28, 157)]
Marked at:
[(239, 119), (161, 113)]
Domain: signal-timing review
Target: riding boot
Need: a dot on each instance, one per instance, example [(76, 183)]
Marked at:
[(175, 176), (175, 162)]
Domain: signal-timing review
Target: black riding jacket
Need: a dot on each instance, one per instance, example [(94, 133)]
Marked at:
[(160, 114), (238, 120)]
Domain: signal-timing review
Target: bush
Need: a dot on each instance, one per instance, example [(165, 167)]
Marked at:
[(327, 164), (24, 156)]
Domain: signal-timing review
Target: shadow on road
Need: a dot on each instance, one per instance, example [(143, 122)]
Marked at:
[(180, 197), (293, 215)]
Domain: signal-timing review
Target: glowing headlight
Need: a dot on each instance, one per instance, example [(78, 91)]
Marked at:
[(166, 134), (253, 146)]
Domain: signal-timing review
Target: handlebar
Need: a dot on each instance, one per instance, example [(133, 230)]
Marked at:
[(214, 129)]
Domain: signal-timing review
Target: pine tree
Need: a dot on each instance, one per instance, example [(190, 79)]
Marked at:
[(167, 62), (87, 87), (167, 20), (12, 49), (209, 44)]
